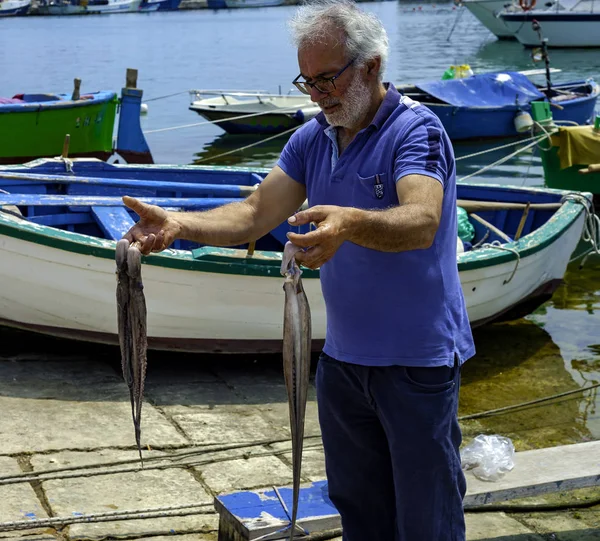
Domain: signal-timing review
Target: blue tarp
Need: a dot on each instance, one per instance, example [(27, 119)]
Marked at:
[(497, 89)]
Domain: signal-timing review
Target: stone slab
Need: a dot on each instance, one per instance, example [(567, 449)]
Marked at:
[(126, 491), (72, 405), (484, 526), (244, 474), (17, 501), (226, 425)]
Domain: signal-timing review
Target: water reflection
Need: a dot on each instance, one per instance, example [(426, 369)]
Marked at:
[(515, 363), (242, 150)]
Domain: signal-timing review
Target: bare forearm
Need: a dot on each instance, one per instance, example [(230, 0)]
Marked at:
[(228, 225), (407, 227)]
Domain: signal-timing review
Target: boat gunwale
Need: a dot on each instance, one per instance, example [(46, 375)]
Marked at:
[(98, 98), (213, 259)]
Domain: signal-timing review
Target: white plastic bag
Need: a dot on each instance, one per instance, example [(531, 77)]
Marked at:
[(490, 457)]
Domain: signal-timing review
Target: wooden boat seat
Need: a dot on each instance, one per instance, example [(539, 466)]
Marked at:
[(114, 221)]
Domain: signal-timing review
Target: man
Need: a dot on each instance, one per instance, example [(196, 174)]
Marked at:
[(378, 170)]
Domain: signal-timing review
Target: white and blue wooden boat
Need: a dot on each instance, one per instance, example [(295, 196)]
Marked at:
[(486, 105), (14, 7), (253, 112), (58, 232)]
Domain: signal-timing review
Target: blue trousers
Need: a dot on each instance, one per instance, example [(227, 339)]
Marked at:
[(391, 440)]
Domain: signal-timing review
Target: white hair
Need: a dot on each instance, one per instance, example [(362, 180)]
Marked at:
[(365, 36)]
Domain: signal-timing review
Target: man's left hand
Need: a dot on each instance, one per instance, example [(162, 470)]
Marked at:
[(332, 230)]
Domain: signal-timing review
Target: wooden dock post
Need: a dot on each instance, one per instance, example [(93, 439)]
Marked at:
[(131, 78), (252, 515), (76, 90)]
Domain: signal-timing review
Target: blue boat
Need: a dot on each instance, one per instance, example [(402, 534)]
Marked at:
[(497, 104), (59, 226)]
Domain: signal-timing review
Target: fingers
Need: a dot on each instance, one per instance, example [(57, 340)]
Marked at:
[(137, 206), (308, 239), (315, 214), (313, 258)]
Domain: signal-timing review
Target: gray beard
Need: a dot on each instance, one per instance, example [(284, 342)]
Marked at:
[(354, 105)]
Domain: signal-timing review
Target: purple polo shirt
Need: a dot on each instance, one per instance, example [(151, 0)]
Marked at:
[(383, 308)]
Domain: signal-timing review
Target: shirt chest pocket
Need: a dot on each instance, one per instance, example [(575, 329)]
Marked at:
[(375, 191)]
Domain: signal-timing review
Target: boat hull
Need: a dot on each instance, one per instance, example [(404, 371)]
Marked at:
[(562, 29), (264, 115), (13, 8), (224, 301), (464, 123), (486, 11), (29, 131)]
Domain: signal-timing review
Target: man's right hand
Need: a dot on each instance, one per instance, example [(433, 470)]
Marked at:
[(155, 230)]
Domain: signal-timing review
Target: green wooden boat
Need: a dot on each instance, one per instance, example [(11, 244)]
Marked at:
[(569, 157), (35, 125)]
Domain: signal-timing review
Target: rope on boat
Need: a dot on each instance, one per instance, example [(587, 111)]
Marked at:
[(591, 227), (507, 145), (247, 146), (167, 96), (152, 512), (503, 159), (204, 123), (498, 246)]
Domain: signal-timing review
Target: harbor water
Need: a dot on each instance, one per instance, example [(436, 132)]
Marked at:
[(554, 350)]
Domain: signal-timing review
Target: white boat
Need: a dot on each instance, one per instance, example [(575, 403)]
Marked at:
[(488, 12), (57, 257), (578, 26), (253, 111), (14, 7), (89, 7)]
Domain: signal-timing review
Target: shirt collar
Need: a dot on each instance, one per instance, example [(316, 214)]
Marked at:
[(389, 103)]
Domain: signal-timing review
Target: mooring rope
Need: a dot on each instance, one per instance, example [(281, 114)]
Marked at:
[(247, 146), (591, 226), (512, 144), (525, 404), (499, 246), (502, 160), (151, 512), (229, 119)]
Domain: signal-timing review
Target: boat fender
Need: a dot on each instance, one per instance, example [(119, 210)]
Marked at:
[(523, 122), (144, 109), (526, 5)]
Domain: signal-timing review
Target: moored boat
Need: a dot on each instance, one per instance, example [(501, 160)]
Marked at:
[(14, 7), (252, 112), (571, 158), (58, 233), (488, 105), (578, 26), (36, 125), (89, 7)]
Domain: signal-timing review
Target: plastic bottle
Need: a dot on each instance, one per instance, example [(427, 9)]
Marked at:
[(597, 124), (449, 73)]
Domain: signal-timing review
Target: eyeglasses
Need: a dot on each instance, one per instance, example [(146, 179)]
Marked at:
[(325, 85)]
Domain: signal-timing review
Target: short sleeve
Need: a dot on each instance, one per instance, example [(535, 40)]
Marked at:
[(291, 159), (423, 151)]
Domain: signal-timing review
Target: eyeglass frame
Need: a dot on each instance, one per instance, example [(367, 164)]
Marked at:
[(331, 80)]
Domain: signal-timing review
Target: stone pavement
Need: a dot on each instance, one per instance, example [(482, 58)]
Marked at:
[(67, 407)]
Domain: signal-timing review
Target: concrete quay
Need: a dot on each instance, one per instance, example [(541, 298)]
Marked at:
[(65, 407)]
